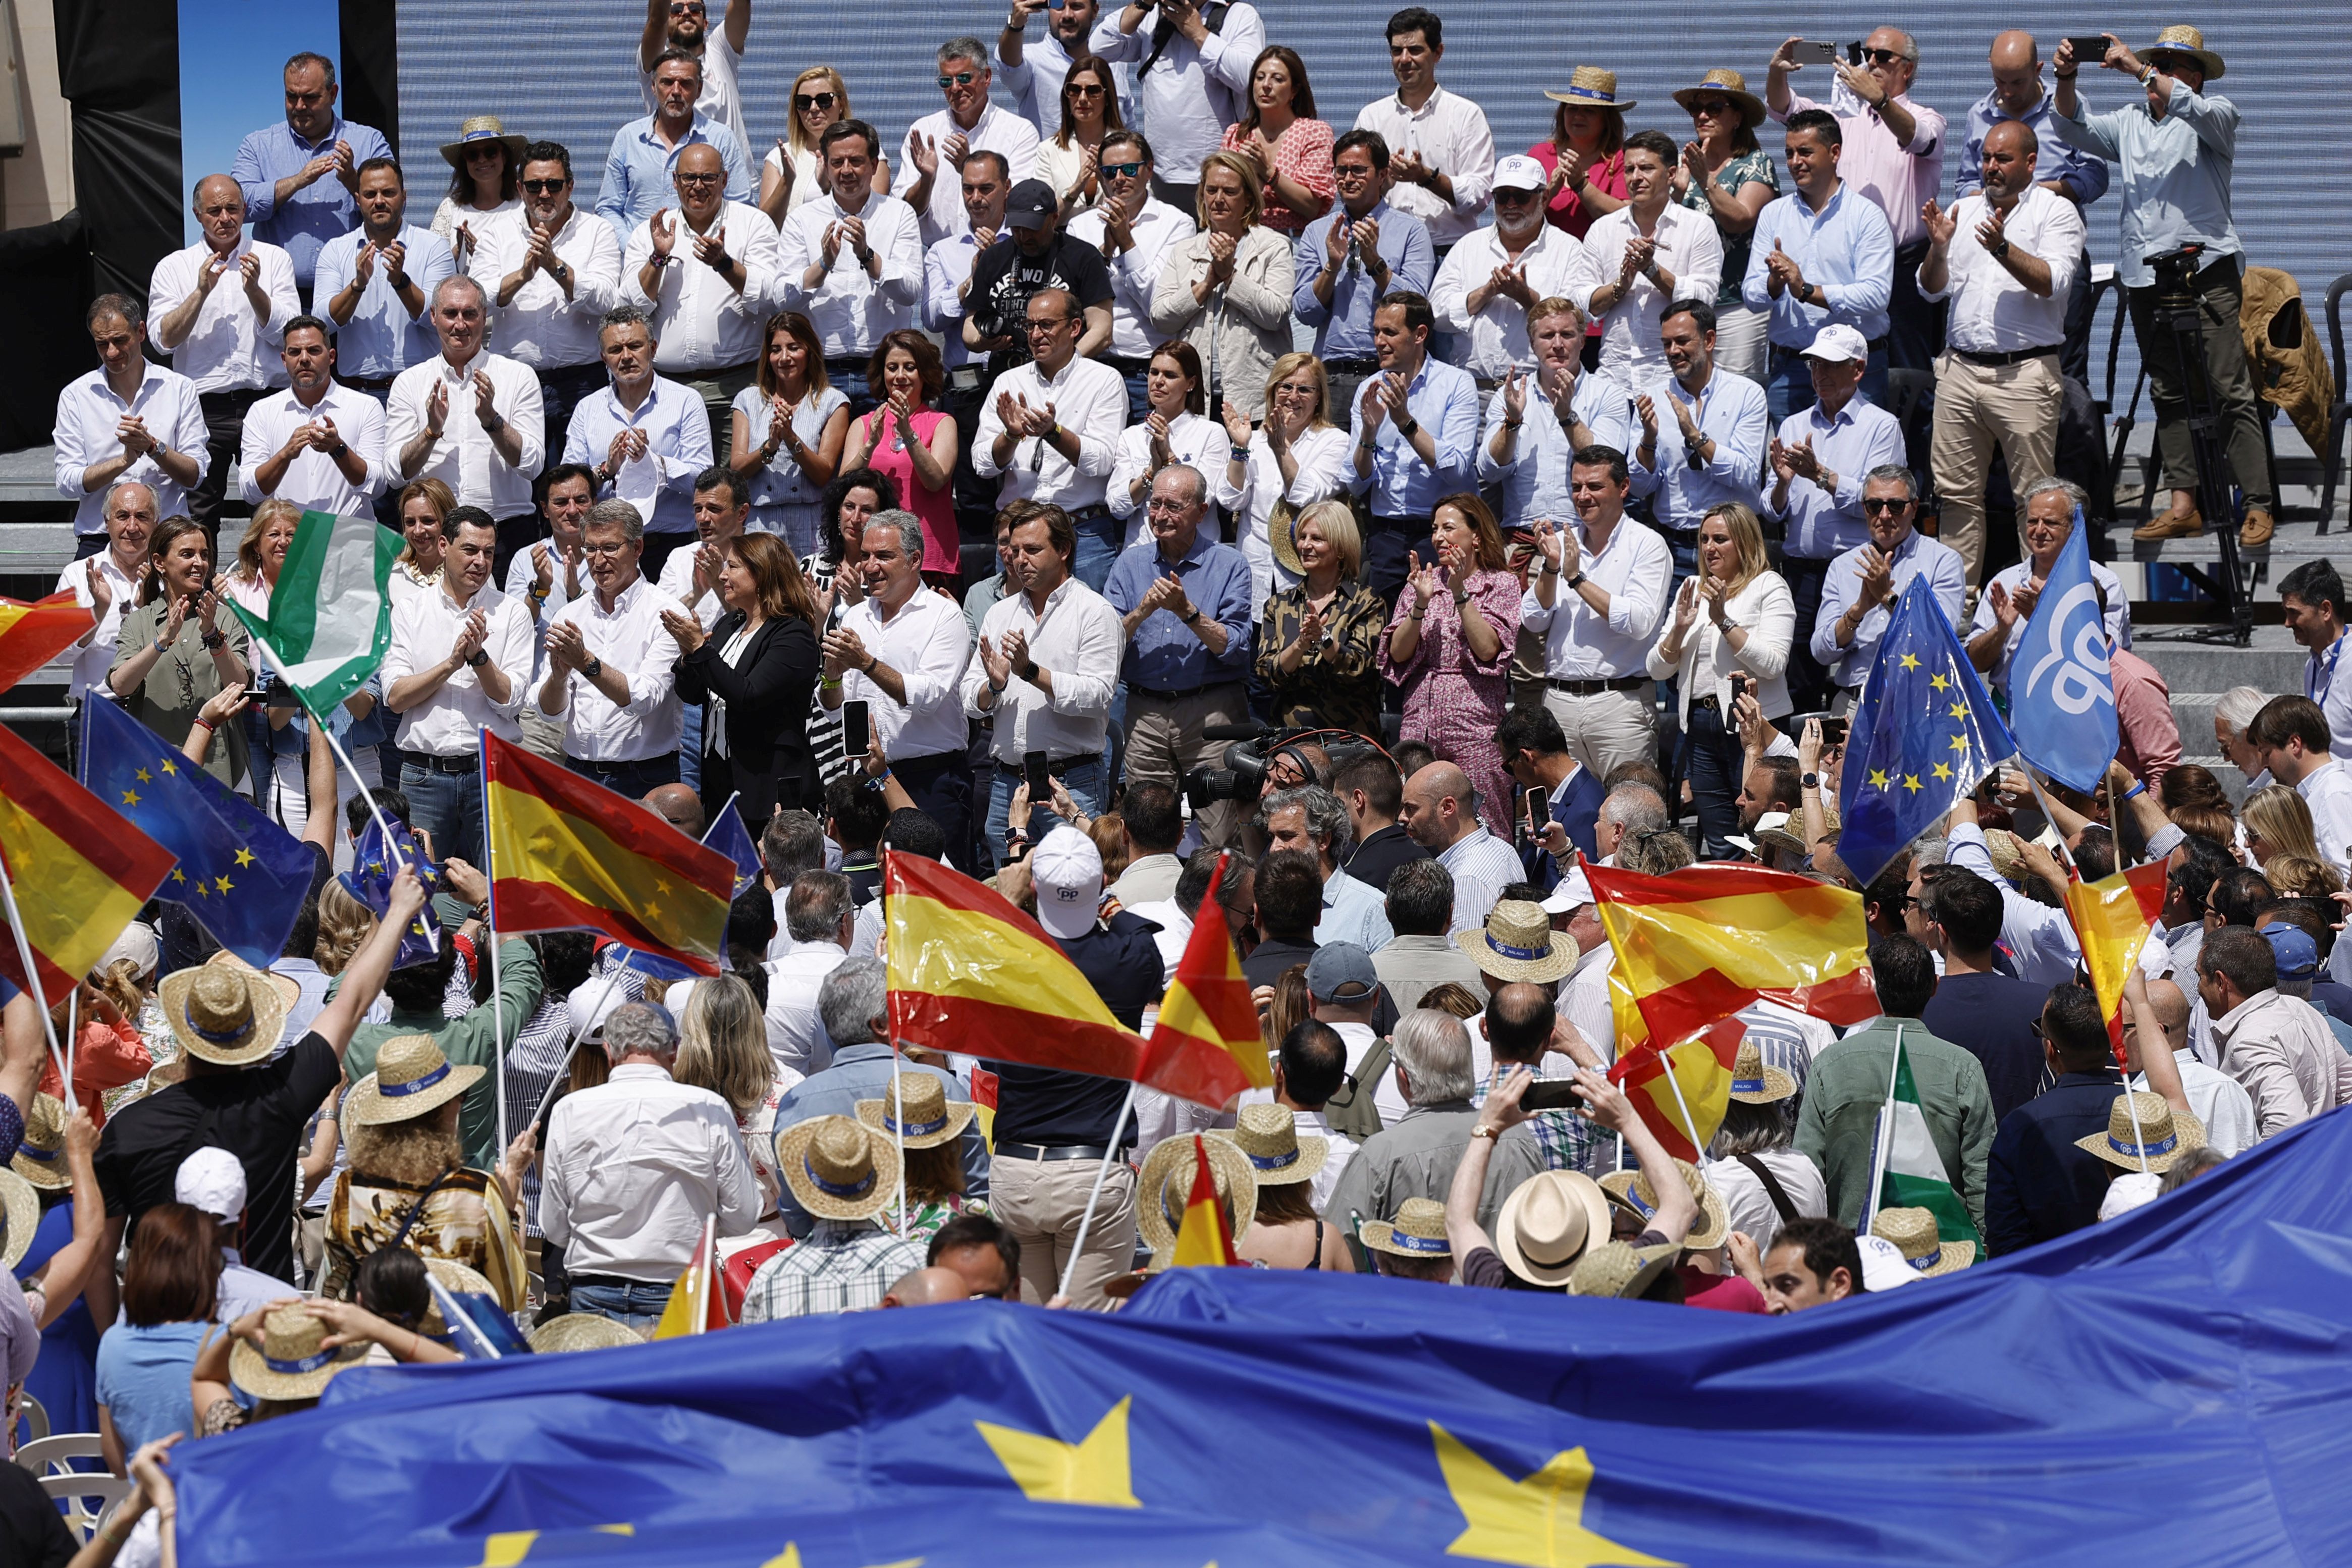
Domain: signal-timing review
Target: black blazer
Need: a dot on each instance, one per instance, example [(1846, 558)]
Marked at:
[(766, 692)]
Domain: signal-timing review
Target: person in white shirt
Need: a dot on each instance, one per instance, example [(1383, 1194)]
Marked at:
[(1440, 149), (130, 420), (459, 663), (820, 919), (2311, 602), (374, 282), (224, 340), (1176, 429), (947, 268), (106, 583), (466, 417), (685, 26), (2046, 520), (1649, 251), (2005, 260), (1049, 655), (1135, 233), (1487, 283), (546, 576), (901, 650), (645, 436), (1570, 410), (318, 444), (1035, 76), (612, 666), (1191, 80), (720, 510), (2220, 1101), (1596, 603), (937, 144), (1050, 429), (634, 1167), (1864, 585), (852, 260), (1440, 813), (2292, 738), (1298, 456)]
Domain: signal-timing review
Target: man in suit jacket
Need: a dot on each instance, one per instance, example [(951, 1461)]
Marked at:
[(1535, 750)]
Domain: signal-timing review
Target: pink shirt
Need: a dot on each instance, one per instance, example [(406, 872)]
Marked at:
[(1568, 209), (2149, 735), (1305, 154), (935, 508), (1897, 179)]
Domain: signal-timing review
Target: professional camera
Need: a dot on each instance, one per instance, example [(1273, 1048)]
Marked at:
[(1248, 760)]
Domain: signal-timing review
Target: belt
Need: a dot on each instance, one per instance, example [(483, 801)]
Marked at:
[(1058, 766), (854, 364), (1401, 525), (2014, 356), (1594, 688), (581, 763), (1125, 364), (430, 763), (1158, 695), (615, 1281), (369, 384), (1048, 1151), (1353, 364), (1087, 514)]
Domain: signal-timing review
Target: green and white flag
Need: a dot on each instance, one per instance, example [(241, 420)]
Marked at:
[(1912, 1173), (330, 619)]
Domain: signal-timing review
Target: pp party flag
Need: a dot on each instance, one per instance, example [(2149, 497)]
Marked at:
[(1682, 1091), (373, 866), (330, 616), (567, 853), (696, 1305), (1202, 1239), (2111, 918), (1923, 734), (78, 872), (1206, 1045), (478, 1327), (1911, 1173), (32, 634), (2062, 694), (240, 874), (728, 836)]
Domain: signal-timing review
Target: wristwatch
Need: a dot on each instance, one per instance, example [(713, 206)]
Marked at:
[(339, 448), (593, 668), (1029, 670), (1999, 250), (478, 658), (1810, 781), (213, 641)]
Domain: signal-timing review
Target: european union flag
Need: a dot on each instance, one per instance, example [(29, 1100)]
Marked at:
[(1923, 734), (730, 838), (240, 874), (2062, 694), (370, 882)]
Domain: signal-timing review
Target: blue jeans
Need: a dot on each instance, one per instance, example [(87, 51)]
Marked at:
[(633, 1306), (1084, 781), (1789, 387), (690, 748), (448, 807), (848, 379), (1100, 538), (633, 779), (1712, 762)]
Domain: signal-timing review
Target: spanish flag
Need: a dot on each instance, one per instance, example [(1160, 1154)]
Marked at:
[(1206, 1046), (1681, 1093), (32, 634), (2111, 918), (1202, 1240), (78, 871), (567, 853), (697, 1305)]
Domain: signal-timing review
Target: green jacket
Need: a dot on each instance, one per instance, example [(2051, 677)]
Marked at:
[(468, 1041), (1846, 1087)]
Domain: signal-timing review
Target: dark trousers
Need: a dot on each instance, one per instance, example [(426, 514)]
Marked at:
[(941, 785), (632, 781), (88, 545), (2232, 386), (2075, 355), (223, 435), (1388, 541), (1914, 329), (1712, 762), (1185, 199), (975, 497), (561, 388), (518, 532), (1136, 375), (657, 552), (1809, 684)]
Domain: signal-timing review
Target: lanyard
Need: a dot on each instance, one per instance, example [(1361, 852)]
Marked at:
[(2316, 685)]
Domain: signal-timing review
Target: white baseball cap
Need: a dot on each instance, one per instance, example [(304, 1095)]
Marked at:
[(1519, 172), (1068, 872), (592, 1001), (1574, 891), (212, 1179), (1882, 1268), (1837, 343)]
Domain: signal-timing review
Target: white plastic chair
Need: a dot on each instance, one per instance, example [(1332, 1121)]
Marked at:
[(48, 1456), (79, 1490), (35, 1418)]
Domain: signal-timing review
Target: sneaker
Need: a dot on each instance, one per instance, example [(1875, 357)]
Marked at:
[(2171, 525), (2256, 531)]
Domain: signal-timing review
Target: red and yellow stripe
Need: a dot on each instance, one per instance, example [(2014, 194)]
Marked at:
[(571, 854), (1684, 1090), (1206, 1046), (2111, 918), (32, 634), (79, 870), (1202, 1241)]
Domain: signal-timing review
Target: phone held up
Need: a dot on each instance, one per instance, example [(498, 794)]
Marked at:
[(857, 730)]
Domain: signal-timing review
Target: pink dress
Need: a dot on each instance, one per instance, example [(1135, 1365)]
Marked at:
[(1567, 210), (1305, 154), (1453, 701), (935, 508)]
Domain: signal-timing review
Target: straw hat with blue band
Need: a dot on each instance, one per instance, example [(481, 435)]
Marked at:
[(21, 1208), (1589, 87), (931, 1118), (2164, 1135), (1913, 1231), (411, 1078), (1267, 1136), (291, 1361), (1417, 1231), (838, 1167), (582, 1331), (229, 1014), (1630, 1189), (1753, 1084), (1518, 943), (2183, 41), (41, 1158), (1727, 84), (478, 131), (1165, 1187)]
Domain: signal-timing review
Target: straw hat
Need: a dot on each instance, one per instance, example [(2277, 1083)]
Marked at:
[(1631, 1188), (228, 1014), (290, 1364), (20, 1207), (1589, 87), (931, 1118), (40, 1158), (838, 1167), (1547, 1223), (1753, 1084), (1418, 1231), (1724, 83), (1913, 1231), (1267, 1136), (581, 1331), (2169, 1134), (458, 1280), (1518, 943), (411, 1079), (290, 990), (2007, 853), (1282, 538), (1620, 1269), (480, 129), (2184, 41), (1166, 1188)]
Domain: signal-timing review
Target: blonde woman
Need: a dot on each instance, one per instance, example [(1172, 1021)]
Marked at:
[(1731, 629), (792, 172), (2277, 822), (1226, 290), (723, 1047), (1319, 644), (1295, 459), (417, 568)]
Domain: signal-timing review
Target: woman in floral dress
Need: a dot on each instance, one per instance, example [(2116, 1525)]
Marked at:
[(1449, 646)]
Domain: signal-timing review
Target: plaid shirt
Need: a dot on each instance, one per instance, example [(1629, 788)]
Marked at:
[(841, 1267), (1567, 1142)]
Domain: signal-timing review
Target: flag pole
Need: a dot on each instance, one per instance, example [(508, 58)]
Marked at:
[(73, 1030), (1690, 1123), (899, 1127), (571, 1047), (374, 810), (1885, 1136), (33, 982), (490, 884), (1102, 1174)]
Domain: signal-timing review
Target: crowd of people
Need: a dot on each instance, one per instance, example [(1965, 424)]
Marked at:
[(874, 491)]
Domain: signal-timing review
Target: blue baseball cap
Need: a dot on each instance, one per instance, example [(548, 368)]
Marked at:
[(2296, 954)]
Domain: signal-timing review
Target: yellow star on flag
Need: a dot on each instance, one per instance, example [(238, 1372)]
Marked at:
[(1539, 1521), (245, 857), (223, 883), (168, 766), (143, 775), (660, 886), (1878, 778), (1911, 782), (1959, 710), (1938, 682), (1960, 743), (1093, 1472), (790, 1557), (1910, 661), (1943, 770), (509, 1547), (179, 875), (130, 796), (202, 891)]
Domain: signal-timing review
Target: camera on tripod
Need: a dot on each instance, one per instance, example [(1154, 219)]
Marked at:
[(2176, 271)]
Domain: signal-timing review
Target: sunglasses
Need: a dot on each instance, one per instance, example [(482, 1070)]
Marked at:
[(960, 79), (1714, 108), (808, 100), (1084, 89), (1881, 56), (1883, 505), (1122, 170), (694, 8), (544, 187)]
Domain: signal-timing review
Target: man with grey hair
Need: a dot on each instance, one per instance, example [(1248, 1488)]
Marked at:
[(1415, 1156), (1184, 608), (1629, 807), (819, 920), (2046, 520), (937, 144), (853, 1002), (1312, 818), (467, 417), (1859, 595), (633, 1168), (612, 665), (107, 583), (644, 436), (2232, 716)]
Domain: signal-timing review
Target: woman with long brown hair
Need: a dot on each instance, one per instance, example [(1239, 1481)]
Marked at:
[(756, 668), (1070, 160), (910, 442), (1449, 646), (789, 425), (178, 648), (1291, 148)]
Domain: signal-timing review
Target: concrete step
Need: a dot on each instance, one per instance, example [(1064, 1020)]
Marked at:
[(2295, 541), (2273, 661)]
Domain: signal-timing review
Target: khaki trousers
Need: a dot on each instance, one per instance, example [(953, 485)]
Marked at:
[(1163, 743), (1040, 1201), (1978, 408), (1607, 729)]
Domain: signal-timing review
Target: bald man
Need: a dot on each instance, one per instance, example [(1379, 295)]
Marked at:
[(1441, 815), (678, 806), (927, 1288), (2220, 1101)]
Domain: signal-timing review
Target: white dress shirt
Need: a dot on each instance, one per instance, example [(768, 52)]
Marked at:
[(1688, 246), (227, 350), (947, 270), (1450, 133), (312, 480), (1192, 92), (522, 573), (2009, 579), (463, 457), (633, 1168), (1579, 643), (425, 628), (2219, 1101), (678, 581), (660, 484), (852, 309), (87, 414), (1992, 311), (927, 642), (541, 326), (1194, 439), (1769, 612), (998, 130), (1321, 452), (1159, 229), (2328, 790), (700, 322), (1089, 399), (1080, 640), (796, 1035), (630, 637), (1584, 996), (2333, 696), (1482, 865), (1495, 339), (91, 659)]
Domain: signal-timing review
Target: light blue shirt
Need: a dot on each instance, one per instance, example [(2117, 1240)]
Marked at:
[(1850, 443), (678, 448), (1164, 655), (381, 340), (1917, 555), (1343, 329), (637, 171), (2176, 175), (319, 210), (1846, 247), (2085, 178), (1731, 411), (1401, 485), (1535, 481), (1353, 912)]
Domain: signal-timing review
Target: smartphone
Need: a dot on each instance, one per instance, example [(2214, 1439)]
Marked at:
[(2089, 51), (1813, 52), (1041, 781), (1740, 685), (1560, 1097), (856, 731), (1538, 810), (1834, 732)]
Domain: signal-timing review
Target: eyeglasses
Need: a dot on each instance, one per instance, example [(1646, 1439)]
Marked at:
[(1878, 505), (1084, 90), (610, 546), (1716, 108), (1353, 170), (1167, 506), (808, 100), (700, 179), (960, 79), (1122, 170), (1057, 322), (544, 187), (1881, 56)]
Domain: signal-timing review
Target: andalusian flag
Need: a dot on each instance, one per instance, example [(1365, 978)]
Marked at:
[(1682, 1091), (1911, 1173), (78, 871), (696, 1304), (1202, 1240), (330, 616), (32, 634), (2111, 917), (1206, 1046), (566, 853)]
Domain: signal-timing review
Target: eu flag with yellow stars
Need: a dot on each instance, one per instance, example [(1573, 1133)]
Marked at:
[(240, 874), (373, 866), (1923, 734)]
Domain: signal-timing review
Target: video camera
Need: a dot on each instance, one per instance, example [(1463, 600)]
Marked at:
[(1247, 762)]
